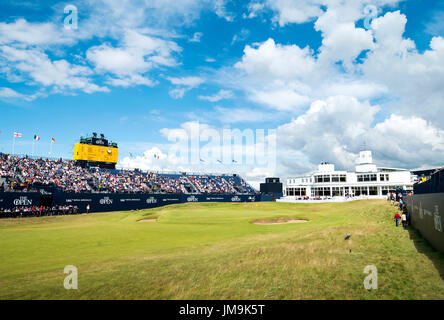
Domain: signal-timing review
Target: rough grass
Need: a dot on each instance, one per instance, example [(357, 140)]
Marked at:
[(214, 251)]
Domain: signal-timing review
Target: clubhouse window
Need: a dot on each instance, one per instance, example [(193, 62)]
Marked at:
[(367, 177), (337, 192), (298, 192), (320, 192)]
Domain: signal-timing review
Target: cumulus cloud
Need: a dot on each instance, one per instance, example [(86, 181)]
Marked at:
[(222, 94), (9, 93), (129, 63), (199, 147), (302, 11), (335, 130), (414, 78), (184, 85), (58, 74), (240, 36), (136, 43), (269, 60), (22, 32), (23, 59), (152, 159)]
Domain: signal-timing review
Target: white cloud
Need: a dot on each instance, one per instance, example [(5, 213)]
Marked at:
[(294, 11), (129, 63), (221, 10), (344, 43), (415, 79), (191, 82), (280, 99), (193, 141), (302, 11), (269, 60), (152, 159), (335, 130), (240, 36), (138, 28), (222, 94), (178, 93), (23, 59), (184, 85), (22, 32), (58, 74), (9, 93), (254, 8)]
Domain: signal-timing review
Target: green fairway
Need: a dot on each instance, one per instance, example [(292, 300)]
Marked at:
[(214, 251)]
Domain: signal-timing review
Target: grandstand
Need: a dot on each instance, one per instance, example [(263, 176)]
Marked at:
[(63, 182), (26, 174)]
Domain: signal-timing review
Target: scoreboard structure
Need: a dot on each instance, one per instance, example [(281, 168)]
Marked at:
[(272, 187), (96, 152)]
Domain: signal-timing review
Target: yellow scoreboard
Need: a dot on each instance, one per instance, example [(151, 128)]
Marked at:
[(88, 152)]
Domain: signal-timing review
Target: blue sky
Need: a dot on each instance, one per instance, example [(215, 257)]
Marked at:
[(136, 69)]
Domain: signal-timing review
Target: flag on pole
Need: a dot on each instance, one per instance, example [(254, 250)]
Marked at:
[(219, 161), (36, 137), (234, 161), (53, 140), (202, 160), (16, 135)]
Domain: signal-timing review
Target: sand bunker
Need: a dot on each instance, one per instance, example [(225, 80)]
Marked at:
[(279, 221), (148, 220)]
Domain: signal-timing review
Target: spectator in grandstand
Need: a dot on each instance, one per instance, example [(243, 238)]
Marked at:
[(25, 174), (34, 211)]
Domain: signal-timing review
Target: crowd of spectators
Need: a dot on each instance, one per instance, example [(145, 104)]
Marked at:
[(210, 185), (26, 174), (34, 211)]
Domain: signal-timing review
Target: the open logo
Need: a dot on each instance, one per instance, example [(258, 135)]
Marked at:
[(192, 199)]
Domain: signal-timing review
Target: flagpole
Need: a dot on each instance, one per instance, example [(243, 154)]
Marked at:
[(13, 144), (33, 147), (50, 148)]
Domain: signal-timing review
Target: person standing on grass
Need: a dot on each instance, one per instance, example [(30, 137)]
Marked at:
[(397, 217), (87, 208), (404, 220)]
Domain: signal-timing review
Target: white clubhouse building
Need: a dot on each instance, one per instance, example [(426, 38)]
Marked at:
[(368, 180)]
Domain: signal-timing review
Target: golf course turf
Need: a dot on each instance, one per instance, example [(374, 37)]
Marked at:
[(215, 251)]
